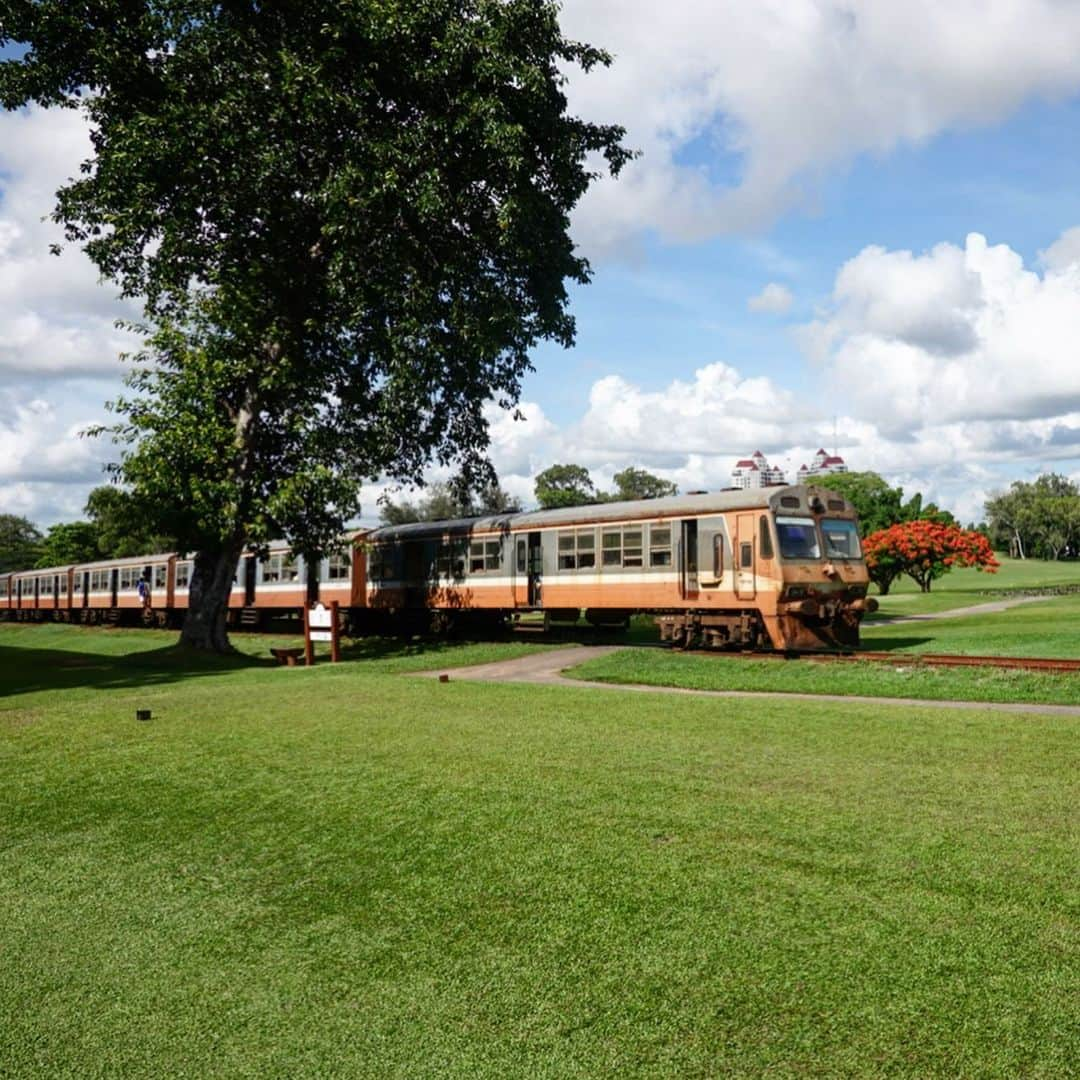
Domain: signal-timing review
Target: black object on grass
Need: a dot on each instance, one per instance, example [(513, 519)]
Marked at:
[(142, 714)]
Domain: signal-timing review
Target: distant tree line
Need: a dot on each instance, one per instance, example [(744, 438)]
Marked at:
[(114, 527), (560, 485), (1040, 519)]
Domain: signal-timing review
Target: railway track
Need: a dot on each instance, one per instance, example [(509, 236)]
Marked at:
[(1020, 663)]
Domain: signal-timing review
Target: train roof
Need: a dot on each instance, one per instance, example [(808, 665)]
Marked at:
[(669, 506)]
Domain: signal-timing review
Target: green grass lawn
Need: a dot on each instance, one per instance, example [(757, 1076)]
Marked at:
[(662, 667), (346, 872), (964, 588), (1042, 628)]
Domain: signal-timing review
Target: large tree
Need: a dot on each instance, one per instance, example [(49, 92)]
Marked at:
[(20, 543), (564, 485), (634, 483), (349, 224), (1041, 518)]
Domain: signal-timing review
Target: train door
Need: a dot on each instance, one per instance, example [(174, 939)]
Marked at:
[(86, 588), (689, 554), (536, 569), (415, 574), (250, 570), (114, 585), (745, 579)]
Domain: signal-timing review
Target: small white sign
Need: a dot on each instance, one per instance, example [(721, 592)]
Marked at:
[(320, 616), (321, 635)]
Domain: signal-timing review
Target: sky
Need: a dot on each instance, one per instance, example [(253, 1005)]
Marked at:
[(852, 224)]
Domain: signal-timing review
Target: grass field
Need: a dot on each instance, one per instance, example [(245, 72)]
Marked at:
[(1042, 628), (346, 872), (964, 588)]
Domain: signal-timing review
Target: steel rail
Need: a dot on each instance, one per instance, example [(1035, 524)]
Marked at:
[(1054, 665)]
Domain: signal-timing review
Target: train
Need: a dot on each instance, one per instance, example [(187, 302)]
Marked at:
[(776, 568)]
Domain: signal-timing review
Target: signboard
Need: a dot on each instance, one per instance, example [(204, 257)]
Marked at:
[(321, 624)]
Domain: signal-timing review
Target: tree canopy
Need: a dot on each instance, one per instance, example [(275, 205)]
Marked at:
[(878, 504), (564, 485), (634, 483), (349, 226), (20, 543), (571, 485), (924, 550), (441, 502), (1040, 518)]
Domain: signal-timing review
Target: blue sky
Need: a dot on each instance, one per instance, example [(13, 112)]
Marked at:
[(884, 176)]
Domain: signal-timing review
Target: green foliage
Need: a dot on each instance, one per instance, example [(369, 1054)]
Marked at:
[(349, 223), (634, 483), (74, 542), (564, 485), (442, 502), (1040, 519), (20, 543), (122, 526), (879, 505)]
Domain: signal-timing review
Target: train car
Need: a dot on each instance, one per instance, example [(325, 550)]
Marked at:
[(41, 594), (108, 590), (777, 568)]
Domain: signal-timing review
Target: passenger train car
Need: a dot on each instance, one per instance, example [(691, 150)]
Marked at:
[(765, 568), (768, 567)]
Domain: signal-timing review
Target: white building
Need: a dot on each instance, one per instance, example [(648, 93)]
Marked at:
[(822, 465), (755, 471)]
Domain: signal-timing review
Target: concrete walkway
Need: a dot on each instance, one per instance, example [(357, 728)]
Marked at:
[(546, 669), (992, 607)]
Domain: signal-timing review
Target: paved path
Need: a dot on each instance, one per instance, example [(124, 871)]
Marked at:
[(992, 607), (546, 669)]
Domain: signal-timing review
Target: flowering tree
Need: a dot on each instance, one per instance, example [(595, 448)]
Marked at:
[(924, 550)]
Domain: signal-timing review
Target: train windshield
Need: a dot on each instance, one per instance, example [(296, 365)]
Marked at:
[(798, 538), (841, 539)]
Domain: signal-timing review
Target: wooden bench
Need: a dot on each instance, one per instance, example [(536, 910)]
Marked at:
[(287, 657)]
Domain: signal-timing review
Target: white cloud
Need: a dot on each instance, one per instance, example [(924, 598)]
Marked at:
[(774, 299), (789, 88), (955, 335), (56, 319)]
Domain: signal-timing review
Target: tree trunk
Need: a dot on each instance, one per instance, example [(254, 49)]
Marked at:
[(211, 583)]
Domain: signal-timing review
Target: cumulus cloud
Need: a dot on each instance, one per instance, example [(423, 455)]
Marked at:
[(56, 319), (784, 90), (774, 299), (952, 335)]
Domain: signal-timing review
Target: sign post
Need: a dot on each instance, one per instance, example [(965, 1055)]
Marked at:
[(321, 624)]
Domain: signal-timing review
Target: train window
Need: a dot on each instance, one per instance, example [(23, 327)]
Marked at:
[(718, 555), (765, 539), (45, 586), (841, 539), (835, 504), (577, 549), (484, 556), (338, 568), (790, 501), (522, 556), (621, 546), (659, 545), (76, 583), (183, 575), (161, 576), (746, 555), (63, 586), (798, 538)]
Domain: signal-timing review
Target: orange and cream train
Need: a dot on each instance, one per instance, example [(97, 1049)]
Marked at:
[(776, 567)]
